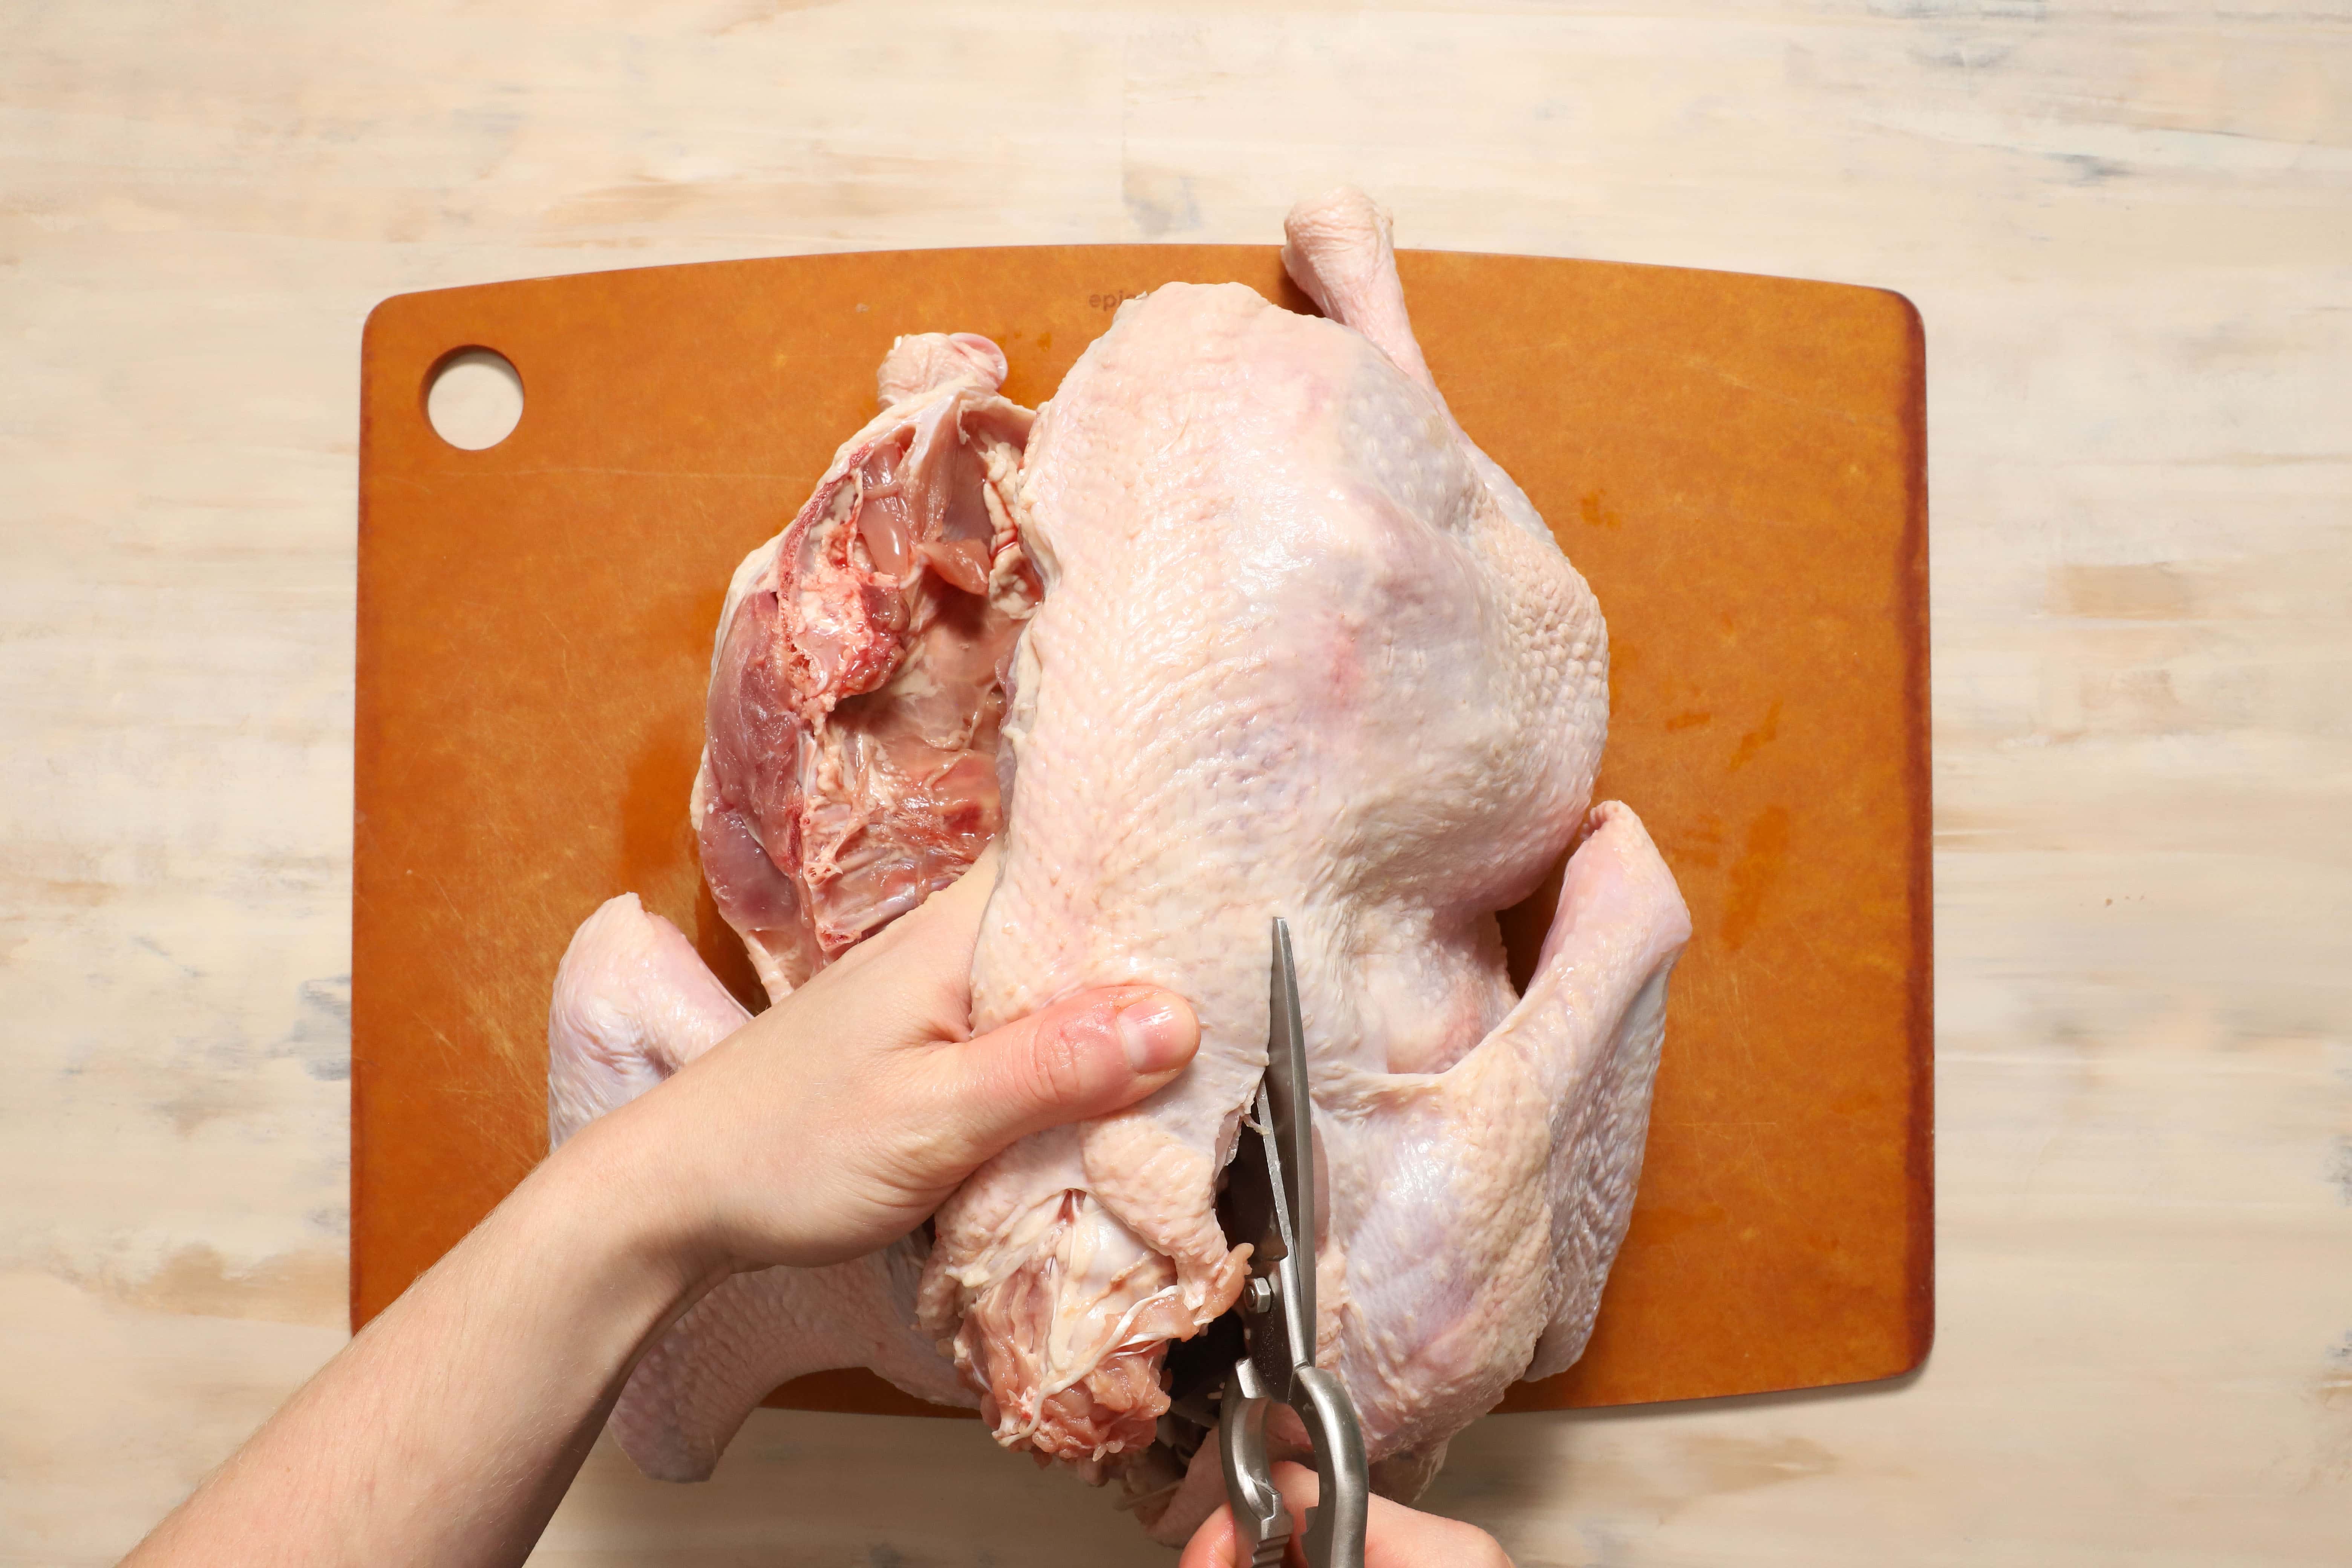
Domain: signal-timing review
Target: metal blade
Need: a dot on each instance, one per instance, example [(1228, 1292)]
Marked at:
[(1290, 1110)]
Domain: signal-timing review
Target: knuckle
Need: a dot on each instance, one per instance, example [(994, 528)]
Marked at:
[(1058, 1065)]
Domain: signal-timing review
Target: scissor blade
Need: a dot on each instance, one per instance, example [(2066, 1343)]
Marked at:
[(1292, 1111)]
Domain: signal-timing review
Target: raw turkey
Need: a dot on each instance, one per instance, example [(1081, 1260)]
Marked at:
[(1293, 646), (848, 772), (849, 766)]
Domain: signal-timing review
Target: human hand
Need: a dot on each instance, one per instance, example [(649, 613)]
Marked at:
[(1395, 1536), (836, 1121)]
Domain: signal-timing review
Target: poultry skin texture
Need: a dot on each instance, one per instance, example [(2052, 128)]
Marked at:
[(1257, 631)]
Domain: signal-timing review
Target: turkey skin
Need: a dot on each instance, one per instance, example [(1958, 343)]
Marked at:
[(1256, 630)]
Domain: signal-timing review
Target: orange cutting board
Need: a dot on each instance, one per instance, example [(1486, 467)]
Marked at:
[(1736, 463)]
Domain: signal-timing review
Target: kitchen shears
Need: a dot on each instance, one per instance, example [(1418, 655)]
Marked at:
[(1270, 1203)]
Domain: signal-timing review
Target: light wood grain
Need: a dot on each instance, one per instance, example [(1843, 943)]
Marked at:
[(2131, 238)]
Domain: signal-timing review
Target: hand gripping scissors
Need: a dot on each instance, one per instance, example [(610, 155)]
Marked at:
[(1270, 1198)]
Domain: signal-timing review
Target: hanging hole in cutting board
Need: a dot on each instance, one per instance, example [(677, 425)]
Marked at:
[(473, 398)]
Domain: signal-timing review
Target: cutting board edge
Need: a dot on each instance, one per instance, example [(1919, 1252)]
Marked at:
[(383, 314), (387, 315)]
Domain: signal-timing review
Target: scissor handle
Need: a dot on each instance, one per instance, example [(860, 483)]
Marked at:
[(1335, 1525), (1261, 1523)]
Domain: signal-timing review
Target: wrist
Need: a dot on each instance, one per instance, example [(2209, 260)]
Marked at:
[(607, 1186)]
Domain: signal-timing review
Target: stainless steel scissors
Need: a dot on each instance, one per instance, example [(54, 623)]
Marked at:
[(1270, 1197)]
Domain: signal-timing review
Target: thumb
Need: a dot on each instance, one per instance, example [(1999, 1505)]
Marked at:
[(1212, 1545), (1086, 1055)]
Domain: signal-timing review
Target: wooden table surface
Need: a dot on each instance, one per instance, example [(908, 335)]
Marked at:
[(2131, 240)]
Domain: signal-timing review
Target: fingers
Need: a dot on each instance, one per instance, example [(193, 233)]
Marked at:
[(1087, 1056), (1395, 1536), (956, 907), (834, 1122), (914, 974), (1212, 1545)]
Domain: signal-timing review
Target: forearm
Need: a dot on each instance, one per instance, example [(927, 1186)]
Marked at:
[(448, 1431)]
